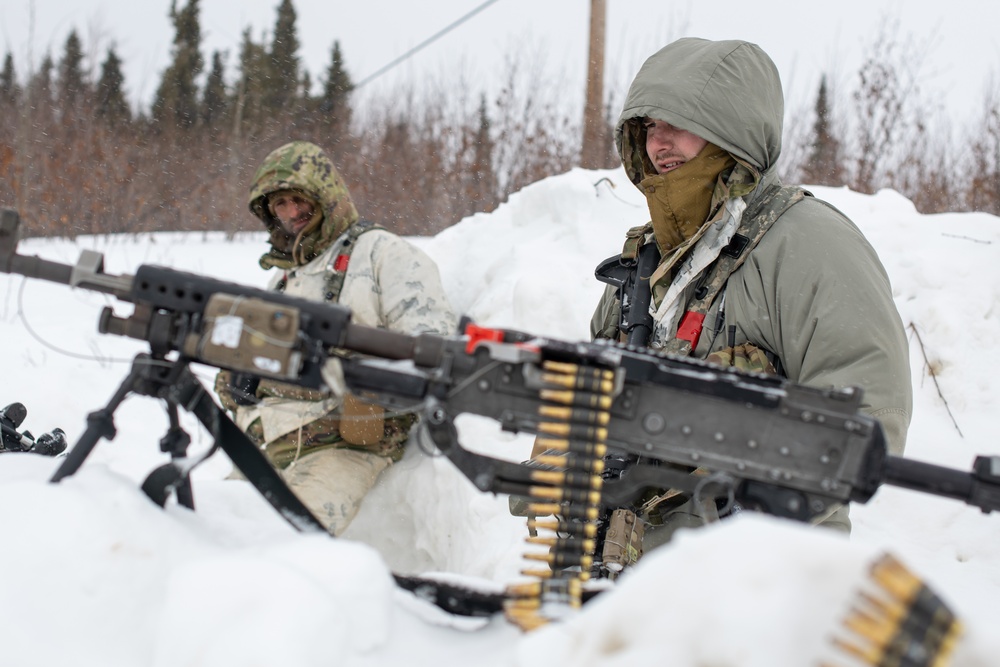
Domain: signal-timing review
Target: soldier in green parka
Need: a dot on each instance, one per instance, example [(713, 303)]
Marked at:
[(752, 273)]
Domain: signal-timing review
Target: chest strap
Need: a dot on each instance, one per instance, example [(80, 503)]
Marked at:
[(634, 239), (753, 225), (338, 270)]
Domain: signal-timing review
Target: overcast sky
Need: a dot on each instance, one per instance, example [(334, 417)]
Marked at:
[(959, 37)]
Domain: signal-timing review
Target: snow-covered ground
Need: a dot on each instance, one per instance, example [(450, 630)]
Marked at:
[(95, 574)]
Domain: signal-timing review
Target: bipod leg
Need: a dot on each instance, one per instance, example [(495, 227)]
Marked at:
[(100, 423), (176, 442), (172, 476), (183, 389)]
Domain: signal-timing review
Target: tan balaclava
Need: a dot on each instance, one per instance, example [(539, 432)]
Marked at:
[(680, 201)]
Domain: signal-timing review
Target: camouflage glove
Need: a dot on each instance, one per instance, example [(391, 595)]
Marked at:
[(224, 392), (235, 389), (746, 357), (276, 389)]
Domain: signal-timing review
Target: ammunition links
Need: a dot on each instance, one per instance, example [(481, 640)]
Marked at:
[(904, 623), (567, 485)]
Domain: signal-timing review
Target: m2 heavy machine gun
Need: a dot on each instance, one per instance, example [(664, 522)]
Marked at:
[(763, 442)]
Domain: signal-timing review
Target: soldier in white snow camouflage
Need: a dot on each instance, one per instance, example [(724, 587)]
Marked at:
[(330, 446)]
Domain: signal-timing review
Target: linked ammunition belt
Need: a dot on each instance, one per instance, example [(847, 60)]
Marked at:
[(573, 420), (899, 622)]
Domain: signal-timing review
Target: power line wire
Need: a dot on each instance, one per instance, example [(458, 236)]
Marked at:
[(426, 42)]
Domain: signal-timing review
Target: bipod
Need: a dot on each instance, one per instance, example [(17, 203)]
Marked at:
[(174, 382)]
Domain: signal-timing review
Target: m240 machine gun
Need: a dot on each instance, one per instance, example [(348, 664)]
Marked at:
[(785, 449)]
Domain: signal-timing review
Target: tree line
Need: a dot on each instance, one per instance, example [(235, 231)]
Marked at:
[(75, 158)]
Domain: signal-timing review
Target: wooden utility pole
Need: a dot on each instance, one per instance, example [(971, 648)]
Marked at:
[(595, 134)]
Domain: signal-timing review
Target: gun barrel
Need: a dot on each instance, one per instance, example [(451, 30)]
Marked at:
[(88, 272), (941, 481), (36, 267), (379, 342)]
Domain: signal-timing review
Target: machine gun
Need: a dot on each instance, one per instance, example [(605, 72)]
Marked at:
[(782, 448)]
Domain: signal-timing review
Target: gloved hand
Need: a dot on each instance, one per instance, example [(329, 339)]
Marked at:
[(236, 389), (243, 388), (47, 444), (50, 444)]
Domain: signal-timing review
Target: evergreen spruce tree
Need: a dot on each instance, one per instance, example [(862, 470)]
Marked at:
[(248, 97), (483, 190), (72, 89), (176, 101), (305, 86), (337, 89), (282, 88), (825, 159), (214, 104), (9, 90), (110, 98), (11, 113), (40, 89)]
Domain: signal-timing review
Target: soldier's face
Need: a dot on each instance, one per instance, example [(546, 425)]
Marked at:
[(669, 147), (292, 210)]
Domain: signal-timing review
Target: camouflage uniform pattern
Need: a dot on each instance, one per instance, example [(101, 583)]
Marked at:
[(303, 167), (332, 483), (388, 283), (747, 358), (315, 435)]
